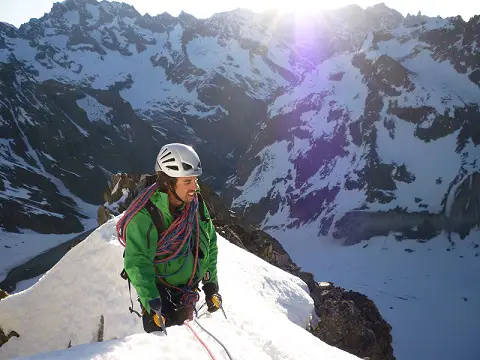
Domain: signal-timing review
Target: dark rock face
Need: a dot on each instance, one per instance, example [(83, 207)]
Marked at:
[(351, 321), (453, 44), (54, 144), (463, 216), (464, 211), (347, 320)]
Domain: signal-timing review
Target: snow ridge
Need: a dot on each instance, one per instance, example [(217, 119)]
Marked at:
[(282, 310)]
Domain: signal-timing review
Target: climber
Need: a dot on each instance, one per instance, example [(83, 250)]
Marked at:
[(166, 266)]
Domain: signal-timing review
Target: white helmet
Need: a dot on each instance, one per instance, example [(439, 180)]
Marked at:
[(178, 160)]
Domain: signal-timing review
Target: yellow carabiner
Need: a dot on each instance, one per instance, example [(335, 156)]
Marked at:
[(157, 321), (216, 301)]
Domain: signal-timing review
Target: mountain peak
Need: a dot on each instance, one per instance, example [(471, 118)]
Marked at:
[(79, 3), (186, 17), (7, 28), (384, 16), (6, 25)]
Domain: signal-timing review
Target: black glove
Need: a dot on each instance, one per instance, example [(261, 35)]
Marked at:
[(212, 297), (149, 323), (154, 320)]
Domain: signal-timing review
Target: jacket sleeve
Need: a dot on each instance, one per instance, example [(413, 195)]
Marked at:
[(139, 254), (213, 254)]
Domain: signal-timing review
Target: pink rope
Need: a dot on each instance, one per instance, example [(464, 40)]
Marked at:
[(200, 340), (136, 205)]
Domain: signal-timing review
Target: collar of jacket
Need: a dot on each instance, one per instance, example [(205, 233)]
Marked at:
[(160, 200)]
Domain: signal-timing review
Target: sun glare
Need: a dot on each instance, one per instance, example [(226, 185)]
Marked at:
[(297, 6)]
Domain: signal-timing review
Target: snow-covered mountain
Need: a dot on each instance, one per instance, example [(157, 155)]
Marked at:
[(79, 310), (377, 139), (77, 83), (347, 127), (381, 143), (330, 101), (377, 149)]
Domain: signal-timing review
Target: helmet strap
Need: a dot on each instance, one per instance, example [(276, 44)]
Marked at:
[(175, 194)]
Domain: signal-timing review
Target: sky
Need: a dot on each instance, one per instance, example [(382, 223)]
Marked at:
[(21, 11)]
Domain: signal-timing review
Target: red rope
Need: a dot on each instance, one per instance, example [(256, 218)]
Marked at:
[(195, 263), (137, 204), (200, 340)]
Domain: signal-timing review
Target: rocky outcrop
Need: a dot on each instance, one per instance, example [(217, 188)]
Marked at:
[(350, 321), (4, 337), (346, 319), (453, 43)]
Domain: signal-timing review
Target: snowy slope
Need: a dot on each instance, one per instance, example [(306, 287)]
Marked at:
[(19, 248), (267, 308)]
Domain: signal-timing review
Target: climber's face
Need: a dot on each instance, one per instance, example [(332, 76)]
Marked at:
[(186, 187)]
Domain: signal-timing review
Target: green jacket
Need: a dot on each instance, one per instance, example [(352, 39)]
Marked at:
[(140, 251)]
